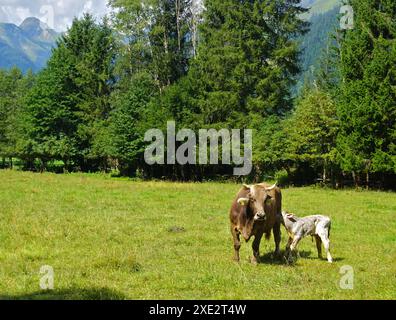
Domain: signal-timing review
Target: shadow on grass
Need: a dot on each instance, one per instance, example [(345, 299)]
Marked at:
[(69, 294), (270, 259)]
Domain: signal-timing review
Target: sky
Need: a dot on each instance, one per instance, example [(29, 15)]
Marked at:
[(57, 14)]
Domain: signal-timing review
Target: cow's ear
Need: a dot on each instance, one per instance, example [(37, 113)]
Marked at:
[(243, 201), (247, 186)]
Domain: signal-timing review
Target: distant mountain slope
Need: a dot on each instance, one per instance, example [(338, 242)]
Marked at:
[(316, 40), (27, 46), (323, 18), (319, 6)]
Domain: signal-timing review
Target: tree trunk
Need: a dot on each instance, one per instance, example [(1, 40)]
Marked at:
[(166, 48), (178, 24), (367, 180), (355, 179)]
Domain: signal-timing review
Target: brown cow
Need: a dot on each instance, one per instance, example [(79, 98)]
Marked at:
[(257, 209)]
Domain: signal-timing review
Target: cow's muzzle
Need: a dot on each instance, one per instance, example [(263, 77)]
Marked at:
[(260, 216)]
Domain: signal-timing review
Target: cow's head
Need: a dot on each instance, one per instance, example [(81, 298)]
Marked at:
[(256, 198)]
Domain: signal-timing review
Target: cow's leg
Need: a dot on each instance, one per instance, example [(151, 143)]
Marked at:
[(319, 246), (256, 248), (326, 244), (237, 243), (277, 238)]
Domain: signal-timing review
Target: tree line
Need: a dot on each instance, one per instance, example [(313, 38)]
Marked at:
[(221, 64)]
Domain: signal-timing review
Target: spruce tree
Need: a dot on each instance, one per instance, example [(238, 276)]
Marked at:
[(366, 106), (247, 59)]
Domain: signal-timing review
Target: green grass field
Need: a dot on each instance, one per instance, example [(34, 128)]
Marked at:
[(118, 239)]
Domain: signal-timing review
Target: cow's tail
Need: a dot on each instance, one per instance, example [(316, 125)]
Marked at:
[(268, 235)]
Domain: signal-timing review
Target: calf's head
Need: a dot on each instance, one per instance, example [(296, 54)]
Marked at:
[(256, 198), (288, 217)]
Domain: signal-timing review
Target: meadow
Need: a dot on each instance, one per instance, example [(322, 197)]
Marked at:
[(110, 238)]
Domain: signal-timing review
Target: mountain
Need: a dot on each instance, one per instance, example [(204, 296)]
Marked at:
[(27, 46), (323, 17), (322, 6)]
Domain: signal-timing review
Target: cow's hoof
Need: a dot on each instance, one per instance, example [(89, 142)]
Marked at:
[(254, 261)]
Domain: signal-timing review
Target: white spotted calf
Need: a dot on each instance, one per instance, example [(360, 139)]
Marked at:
[(298, 228)]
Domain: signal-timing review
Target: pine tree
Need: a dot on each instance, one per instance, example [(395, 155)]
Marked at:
[(247, 58), (127, 122), (13, 87), (312, 130)]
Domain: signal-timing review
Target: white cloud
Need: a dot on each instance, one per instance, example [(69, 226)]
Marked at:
[(58, 14)]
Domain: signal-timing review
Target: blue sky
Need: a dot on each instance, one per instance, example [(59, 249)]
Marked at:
[(58, 14)]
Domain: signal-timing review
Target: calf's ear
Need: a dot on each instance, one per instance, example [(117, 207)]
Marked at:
[(243, 201), (291, 217)]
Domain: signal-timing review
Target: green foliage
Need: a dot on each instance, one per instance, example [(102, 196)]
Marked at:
[(13, 88), (233, 65), (69, 106), (282, 177), (247, 59), (366, 105), (312, 129), (126, 122), (157, 36)]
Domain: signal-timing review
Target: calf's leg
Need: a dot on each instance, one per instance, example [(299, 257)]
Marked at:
[(289, 242), (319, 246), (293, 246), (326, 244), (288, 252)]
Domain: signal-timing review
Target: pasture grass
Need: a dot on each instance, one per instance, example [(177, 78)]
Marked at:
[(118, 239)]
